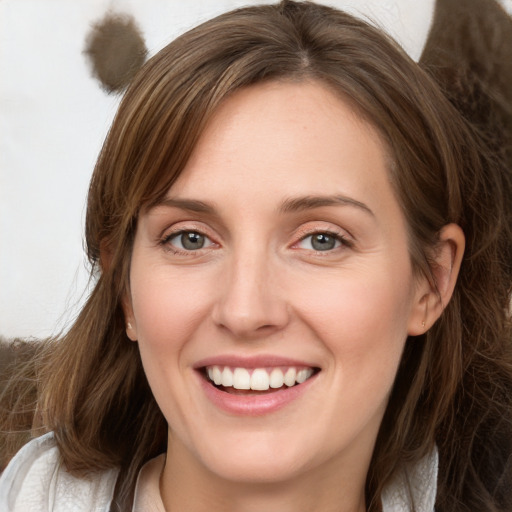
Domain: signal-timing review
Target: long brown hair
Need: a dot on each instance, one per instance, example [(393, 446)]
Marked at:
[(454, 384)]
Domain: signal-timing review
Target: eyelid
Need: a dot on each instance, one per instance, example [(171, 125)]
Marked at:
[(337, 242), (185, 227), (172, 236), (310, 230)]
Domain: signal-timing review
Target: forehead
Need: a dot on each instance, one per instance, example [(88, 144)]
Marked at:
[(289, 136), (281, 154)]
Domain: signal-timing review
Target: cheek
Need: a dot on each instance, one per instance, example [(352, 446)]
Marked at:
[(362, 320), (167, 311), (166, 308)]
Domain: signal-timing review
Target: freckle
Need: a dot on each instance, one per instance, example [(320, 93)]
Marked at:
[(116, 50)]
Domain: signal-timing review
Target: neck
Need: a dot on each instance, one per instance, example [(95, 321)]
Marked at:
[(186, 484)]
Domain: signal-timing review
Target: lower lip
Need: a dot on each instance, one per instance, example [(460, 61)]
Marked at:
[(257, 404)]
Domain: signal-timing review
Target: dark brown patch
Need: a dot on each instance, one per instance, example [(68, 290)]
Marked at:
[(116, 50), (469, 53)]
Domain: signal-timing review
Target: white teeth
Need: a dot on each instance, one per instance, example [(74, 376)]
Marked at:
[(276, 378), (260, 379), (217, 375), (289, 377), (227, 377), (304, 374), (241, 379)]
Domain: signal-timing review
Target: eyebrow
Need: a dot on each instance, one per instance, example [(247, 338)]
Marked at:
[(187, 204), (310, 202), (293, 204)]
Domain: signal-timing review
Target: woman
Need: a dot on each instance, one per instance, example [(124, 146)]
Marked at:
[(302, 254)]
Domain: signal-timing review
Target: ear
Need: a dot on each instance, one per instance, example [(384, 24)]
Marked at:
[(431, 298), (131, 326), (126, 303)]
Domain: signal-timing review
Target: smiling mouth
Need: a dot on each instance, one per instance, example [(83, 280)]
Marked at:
[(242, 381)]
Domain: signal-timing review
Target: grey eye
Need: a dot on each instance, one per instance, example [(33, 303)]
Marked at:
[(320, 242), (323, 242), (192, 241), (189, 241)]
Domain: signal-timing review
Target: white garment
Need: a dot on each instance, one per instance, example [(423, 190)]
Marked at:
[(36, 481), (147, 492)]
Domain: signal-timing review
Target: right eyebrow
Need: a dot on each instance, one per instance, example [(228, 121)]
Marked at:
[(191, 205)]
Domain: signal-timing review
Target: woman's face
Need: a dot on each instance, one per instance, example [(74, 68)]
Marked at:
[(280, 254)]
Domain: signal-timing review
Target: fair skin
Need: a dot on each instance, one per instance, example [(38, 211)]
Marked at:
[(280, 247)]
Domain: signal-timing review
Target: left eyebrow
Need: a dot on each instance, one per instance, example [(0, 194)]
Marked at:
[(297, 204)]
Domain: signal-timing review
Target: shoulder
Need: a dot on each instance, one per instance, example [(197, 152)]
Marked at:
[(36, 479)]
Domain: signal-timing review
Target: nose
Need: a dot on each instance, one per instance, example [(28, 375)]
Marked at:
[(251, 300)]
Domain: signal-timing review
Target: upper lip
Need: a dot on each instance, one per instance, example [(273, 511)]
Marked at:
[(260, 361)]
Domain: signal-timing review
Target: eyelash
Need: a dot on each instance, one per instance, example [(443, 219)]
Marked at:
[(165, 242), (337, 236)]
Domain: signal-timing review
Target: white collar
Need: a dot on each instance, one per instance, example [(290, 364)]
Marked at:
[(414, 488)]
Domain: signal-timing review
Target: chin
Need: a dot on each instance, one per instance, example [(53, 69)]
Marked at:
[(258, 461), (264, 470)]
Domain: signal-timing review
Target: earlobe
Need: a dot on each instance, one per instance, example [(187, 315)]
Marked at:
[(432, 298), (131, 332), (105, 262), (131, 326)]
